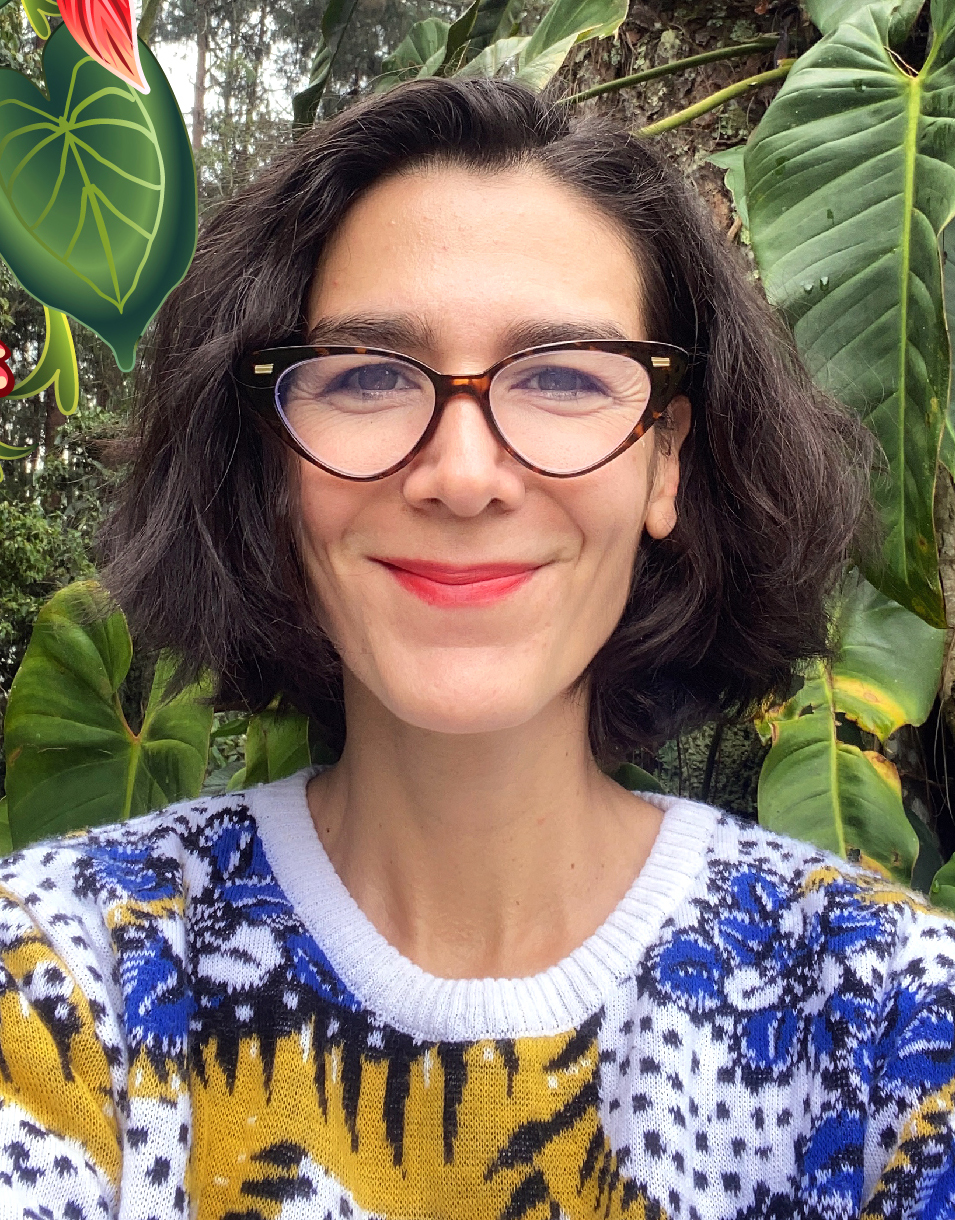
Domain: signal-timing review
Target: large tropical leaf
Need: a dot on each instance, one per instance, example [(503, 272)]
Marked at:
[(490, 61), (97, 191), (731, 160), (335, 19), (849, 801), (72, 758), (828, 15), (468, 48), (946, 453), (888, 666), (477, 28), (816, 786), (421, 53), (276, 745), (850, 179), (566, 23)]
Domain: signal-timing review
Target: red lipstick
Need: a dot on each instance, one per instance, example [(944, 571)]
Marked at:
[(448, 585)]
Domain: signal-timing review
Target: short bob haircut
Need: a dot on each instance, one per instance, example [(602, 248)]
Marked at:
[(201, 549)]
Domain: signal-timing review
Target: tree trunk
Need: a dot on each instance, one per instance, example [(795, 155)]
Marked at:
[(656, 33), (199, 97)]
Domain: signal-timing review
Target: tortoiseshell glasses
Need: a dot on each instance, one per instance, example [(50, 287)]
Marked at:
[(563, 409)]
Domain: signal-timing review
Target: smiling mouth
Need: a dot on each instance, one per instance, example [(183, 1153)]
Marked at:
[(451, 585)]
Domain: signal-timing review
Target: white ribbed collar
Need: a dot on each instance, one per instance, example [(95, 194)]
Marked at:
[(406, 997)]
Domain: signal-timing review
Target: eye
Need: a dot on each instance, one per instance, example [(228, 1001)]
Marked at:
[(559, 380), (372, 379)]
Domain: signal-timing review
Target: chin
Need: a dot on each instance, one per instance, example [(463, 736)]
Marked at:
[(466, 699)]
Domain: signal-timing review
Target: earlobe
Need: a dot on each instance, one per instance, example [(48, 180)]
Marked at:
[(661, 507)]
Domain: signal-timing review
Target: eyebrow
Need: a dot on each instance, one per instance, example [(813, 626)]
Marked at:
[(411, 332)]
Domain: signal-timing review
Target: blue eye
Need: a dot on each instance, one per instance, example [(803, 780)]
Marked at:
[(372, 379), (559, 380)]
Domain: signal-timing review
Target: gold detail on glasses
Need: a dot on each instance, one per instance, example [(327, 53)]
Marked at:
[(261, 369), (660, 362)]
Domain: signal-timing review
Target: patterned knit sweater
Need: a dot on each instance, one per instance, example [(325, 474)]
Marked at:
[(196, 1020)]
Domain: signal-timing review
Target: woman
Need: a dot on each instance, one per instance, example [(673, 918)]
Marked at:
[(466, 432)]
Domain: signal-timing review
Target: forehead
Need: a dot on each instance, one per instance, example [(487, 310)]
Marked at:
[(471, 253)]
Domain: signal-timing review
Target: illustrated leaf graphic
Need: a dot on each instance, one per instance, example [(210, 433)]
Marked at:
[(56, 366), (10, 453), (105, 30), (97, 191), (38, 14)]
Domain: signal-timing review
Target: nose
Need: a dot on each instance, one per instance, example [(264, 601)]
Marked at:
[(464, 466)]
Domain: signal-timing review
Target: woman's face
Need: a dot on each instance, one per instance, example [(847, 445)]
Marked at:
[(459, 269)]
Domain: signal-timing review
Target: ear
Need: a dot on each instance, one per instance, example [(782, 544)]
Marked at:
[(661, 505)]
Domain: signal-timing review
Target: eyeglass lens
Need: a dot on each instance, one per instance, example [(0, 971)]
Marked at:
[(562, 411)]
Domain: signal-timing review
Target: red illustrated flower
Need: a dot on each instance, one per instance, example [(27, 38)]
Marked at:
[(6, 377), (105, 30)]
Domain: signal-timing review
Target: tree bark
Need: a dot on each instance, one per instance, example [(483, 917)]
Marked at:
[(656, 33)]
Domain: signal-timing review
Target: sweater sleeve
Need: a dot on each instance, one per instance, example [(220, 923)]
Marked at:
[(910, 1146), (60, 1155)]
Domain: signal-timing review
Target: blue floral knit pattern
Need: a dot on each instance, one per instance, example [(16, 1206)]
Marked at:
[(175, 1041)]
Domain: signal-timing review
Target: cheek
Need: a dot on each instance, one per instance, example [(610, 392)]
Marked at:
[(612, 516), (327, 510)]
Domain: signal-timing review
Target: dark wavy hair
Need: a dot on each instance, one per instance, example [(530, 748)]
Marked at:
[(200, 551)]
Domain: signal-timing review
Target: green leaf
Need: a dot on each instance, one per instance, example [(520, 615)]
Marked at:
[(232, 728), (490, 61), (635, 779), (335, 20), (828, 15), (276, 745), (850, 179), (6, 843), (421, 53), (946, 453), (72, 759), (731, 160), (38, 12), (889, 663), (97, 191), (477, 28), (565, 23), (942, 892), (56, 366), (815, 787)]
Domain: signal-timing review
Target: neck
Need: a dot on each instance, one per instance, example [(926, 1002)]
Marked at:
[(482, 855)]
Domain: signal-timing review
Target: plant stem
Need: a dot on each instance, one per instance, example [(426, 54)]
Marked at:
[(677, 65), (716, 99)]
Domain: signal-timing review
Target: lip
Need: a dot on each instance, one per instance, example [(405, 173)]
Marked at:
[(450, 585)]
